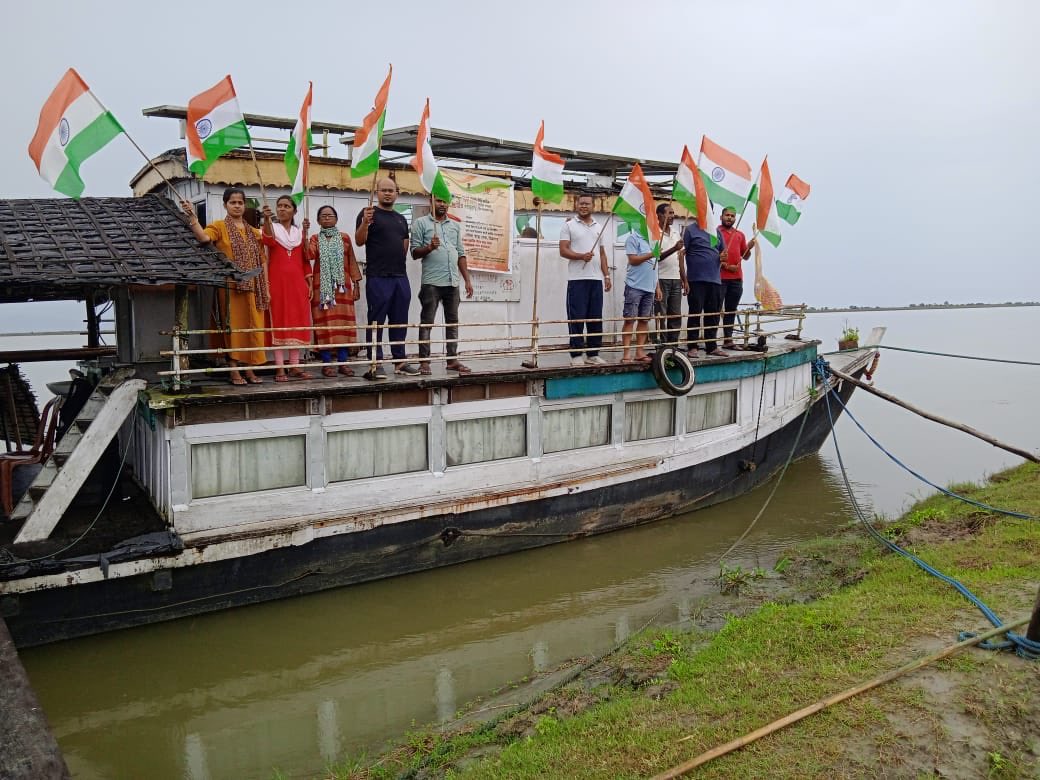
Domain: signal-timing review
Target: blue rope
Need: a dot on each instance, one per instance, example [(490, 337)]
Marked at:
[(1024, 647), (945, 491)]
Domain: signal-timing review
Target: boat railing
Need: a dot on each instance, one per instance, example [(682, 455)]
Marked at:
[(751, 327)]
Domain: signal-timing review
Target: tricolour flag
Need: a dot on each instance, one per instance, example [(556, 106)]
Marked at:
[(215, 126), (635, 207), (424, 162), (369, 137), (298, 152), (766, 220), (693, 195), (73, 126), (789, 204), (727, 176), (546, 171)]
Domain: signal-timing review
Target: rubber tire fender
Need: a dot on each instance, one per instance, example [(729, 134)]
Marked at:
[(672, 357)]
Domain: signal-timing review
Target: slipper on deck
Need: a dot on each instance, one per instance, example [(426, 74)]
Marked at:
[(456, 366), (328, 371), (237, 381), (254, 380), (425, 370), (281, 378)]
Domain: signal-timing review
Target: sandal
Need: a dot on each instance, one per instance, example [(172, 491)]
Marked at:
[(644, 359), (329, 371), (455, 365), (238, 381), (346, 371), (295, 373), (425, 370), (253, 379), (281, 378)]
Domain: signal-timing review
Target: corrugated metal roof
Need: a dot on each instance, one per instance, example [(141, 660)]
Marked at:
[(55, 248)]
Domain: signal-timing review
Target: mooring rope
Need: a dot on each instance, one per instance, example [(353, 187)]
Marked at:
[(944, 354), (1023, 646)]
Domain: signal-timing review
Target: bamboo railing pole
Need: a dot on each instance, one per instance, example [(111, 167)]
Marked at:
[(812, 709), (936, 418), (533, 362)]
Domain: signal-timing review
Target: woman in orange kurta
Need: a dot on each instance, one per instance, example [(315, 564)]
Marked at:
[(244, 302), (290, 274), (335, 286)]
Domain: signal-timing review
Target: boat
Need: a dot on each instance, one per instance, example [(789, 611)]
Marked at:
[(172, 493)]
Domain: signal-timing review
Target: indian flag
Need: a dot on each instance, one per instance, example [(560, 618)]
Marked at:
[(546, 171), (215, 126), (766, 220), (73, 126), (727, 176), (424, 162), (789, 204), (691, 193), (369, 137), (298, 152), (635, 207)]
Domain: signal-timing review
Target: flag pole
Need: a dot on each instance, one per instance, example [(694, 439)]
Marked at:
[(147, 159), (533, 361), (256, 166)]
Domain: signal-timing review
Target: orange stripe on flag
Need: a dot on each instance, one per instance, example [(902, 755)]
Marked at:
[(687, 160), (797, 186), (420, 138), (201, 105), (765, 195), (69, 88), (368, 125), (540, 150), (649, 207), (725, 158)]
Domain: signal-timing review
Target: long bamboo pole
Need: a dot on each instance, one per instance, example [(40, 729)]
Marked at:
[(936, 418), (533, 362), (256, 167), (812, 709)]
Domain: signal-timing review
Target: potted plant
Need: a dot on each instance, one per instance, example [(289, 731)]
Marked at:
[(849, 338)]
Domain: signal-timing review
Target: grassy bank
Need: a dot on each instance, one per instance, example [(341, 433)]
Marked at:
[(850, 612)]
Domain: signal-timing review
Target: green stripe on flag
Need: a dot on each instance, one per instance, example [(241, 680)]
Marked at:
[(547, 191), (85, 143), (631, 217), (685, 198), (721, 195), (772, 238), (788, 213), (440, 188), (367, 166), (220, 143)]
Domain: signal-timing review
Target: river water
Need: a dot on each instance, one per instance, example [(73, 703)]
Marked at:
[(298, 683)]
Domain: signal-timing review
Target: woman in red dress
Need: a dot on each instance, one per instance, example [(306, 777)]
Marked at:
[(289, 273), (335, 288)]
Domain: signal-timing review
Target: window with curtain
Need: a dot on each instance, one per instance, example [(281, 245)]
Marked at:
[(650, 419), (376, 452), (486, 438), (572, 429), (225, 467), (711, 410)]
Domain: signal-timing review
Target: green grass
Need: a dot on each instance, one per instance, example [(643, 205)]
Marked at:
[(784, 656)]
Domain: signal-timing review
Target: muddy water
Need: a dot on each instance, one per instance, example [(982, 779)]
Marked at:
[(297, 683)]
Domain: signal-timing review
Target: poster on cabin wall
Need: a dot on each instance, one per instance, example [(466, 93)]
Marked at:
[(484, 206)]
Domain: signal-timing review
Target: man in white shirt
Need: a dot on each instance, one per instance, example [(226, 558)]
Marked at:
[(671, 273), (586, 281)]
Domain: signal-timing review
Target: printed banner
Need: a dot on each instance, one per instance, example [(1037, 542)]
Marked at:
[(484, 206)]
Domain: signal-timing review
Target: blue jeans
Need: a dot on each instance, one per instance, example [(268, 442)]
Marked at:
[(585, 302), (388, 299)]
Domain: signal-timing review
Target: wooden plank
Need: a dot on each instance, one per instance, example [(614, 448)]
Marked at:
[(45, 355), (45, 516)]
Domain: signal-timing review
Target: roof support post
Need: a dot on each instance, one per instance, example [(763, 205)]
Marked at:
[(180, 304), (93, 324)]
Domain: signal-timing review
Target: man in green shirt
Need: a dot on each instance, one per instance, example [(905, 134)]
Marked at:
[(436, 240)]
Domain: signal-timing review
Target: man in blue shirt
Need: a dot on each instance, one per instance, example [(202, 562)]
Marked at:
[(703, 263), (641, 288), (437, 240)]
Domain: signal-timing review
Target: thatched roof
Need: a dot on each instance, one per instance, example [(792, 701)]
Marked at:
[(58, 248)]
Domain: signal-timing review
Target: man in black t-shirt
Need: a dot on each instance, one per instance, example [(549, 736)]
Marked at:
[(384, 234)]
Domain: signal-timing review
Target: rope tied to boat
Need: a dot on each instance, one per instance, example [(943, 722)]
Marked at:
[(1022, 646)]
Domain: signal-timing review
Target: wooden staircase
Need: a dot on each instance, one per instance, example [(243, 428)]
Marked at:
[(74, 457)]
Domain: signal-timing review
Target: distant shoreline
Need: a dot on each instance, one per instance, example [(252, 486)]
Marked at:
[(920, 306)]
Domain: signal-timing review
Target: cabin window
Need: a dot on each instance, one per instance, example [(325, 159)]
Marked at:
[(711, 410), (376, 452), (524, 226), (649, 419), (486, 438), (223, 468), (575, 428)]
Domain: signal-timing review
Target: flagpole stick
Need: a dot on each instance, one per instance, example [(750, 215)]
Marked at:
[(256, 166), (147, 159), (533, 361)]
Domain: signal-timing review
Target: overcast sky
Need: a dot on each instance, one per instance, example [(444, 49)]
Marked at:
[(915, 123)]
